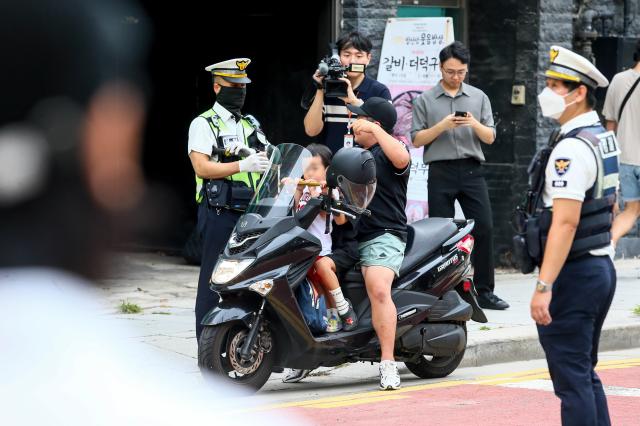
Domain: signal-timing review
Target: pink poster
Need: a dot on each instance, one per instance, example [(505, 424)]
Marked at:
[(409, 65)]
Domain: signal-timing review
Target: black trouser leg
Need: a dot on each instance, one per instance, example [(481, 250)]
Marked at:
[(442, 187), (598, 391), (217, 229), (581, 298), (463, 180), (474, 200)]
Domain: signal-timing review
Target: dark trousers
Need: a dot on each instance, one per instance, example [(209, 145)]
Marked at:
[(581, 298), (216, 226), (463, 180)]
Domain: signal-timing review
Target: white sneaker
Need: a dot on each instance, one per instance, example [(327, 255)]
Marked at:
[(389, 377), (295, 375)]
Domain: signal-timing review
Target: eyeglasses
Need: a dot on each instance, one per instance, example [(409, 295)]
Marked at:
[(459, 73)]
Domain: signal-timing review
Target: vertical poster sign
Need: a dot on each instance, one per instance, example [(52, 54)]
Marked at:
[(410, 64)]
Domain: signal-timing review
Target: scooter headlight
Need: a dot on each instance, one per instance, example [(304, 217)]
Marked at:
[(226, 269)]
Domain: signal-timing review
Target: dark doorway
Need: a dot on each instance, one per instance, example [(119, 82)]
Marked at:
[(282, 39)]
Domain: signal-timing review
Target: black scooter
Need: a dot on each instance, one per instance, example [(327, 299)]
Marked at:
[(258, 326)]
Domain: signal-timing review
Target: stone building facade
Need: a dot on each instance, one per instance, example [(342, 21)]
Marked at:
[(509, 42)]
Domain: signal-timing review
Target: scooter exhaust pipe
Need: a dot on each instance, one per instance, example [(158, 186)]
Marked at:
[(435, 339)]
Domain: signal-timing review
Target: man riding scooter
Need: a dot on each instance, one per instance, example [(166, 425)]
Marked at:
[(382, 236)]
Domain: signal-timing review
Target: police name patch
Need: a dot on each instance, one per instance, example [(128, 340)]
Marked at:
[(562, 166), (559, 183), (229, 139), (608, 144)]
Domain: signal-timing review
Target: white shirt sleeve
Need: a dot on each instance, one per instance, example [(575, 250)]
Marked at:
[(201, 137), (610, 102), (570, 172)]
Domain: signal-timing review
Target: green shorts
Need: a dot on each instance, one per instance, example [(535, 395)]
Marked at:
[(386, 250)]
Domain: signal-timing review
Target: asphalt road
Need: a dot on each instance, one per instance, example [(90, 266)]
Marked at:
[(511, 394)]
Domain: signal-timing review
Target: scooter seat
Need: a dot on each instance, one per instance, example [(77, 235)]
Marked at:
[(425, 237)]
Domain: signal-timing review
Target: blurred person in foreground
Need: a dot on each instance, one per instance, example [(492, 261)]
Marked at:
[(70, 126)]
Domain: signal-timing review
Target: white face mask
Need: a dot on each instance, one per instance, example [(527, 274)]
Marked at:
[(552, 104)]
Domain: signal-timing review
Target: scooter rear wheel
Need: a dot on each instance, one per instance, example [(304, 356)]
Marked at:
[(218, 354), (437, 366)]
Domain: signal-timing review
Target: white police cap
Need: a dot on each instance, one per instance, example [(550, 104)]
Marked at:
[(569, 66), (233, 70)]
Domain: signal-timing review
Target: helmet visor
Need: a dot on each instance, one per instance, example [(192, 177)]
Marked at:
[(357, 195)]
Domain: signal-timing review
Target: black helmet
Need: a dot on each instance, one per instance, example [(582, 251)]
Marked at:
[(355, 164), (353, 171)]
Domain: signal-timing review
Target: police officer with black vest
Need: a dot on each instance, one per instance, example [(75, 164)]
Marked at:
[(227, 152), (567, 234)]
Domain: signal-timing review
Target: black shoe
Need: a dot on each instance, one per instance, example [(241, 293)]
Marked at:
[(489, 300), (350, 319)]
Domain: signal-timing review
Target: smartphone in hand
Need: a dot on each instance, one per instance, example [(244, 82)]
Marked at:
[(460, 114)]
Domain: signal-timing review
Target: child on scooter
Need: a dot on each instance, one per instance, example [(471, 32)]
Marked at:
[(342, 315)]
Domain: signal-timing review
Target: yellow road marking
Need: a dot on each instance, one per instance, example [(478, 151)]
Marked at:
[(354, 402), (489, 380)]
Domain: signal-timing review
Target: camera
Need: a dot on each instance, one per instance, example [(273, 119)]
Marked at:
[(331, 69)]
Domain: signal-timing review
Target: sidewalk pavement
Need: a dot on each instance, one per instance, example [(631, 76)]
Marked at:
[(165, 288)]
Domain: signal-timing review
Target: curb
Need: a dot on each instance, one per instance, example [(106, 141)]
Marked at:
[(528, 347)]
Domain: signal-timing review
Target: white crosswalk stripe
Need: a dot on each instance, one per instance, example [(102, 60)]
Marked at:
[(546, 385)]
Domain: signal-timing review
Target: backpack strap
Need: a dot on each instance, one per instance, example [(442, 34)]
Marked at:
[(213, 124), (626, 98)]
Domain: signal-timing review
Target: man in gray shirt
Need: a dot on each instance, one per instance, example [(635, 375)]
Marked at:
[(451, 121)]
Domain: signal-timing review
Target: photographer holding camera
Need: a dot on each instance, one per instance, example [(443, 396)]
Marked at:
[(327, 115)]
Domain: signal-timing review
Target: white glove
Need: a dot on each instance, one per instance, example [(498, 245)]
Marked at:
[(239, 148), (258, 163)]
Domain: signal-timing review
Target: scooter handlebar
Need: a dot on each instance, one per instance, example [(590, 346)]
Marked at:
[(353, 211), (337, 211)]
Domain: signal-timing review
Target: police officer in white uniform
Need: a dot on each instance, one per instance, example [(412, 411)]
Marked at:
[(577, 278), (226, 150)]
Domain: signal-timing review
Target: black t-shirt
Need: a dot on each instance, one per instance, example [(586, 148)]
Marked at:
[(389, 201), (336, 115)]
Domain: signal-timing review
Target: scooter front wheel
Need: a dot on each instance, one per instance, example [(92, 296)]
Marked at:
[(219, 355)]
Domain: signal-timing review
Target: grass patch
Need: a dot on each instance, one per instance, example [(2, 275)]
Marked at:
[(161, 313), (636, 310), (129, 308), (485, 328)]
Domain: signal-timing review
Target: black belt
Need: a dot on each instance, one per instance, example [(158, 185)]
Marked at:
[(467, 160), (210, 207)]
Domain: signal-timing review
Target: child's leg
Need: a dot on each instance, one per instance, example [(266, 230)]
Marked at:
[(318, 278), (326, 271)]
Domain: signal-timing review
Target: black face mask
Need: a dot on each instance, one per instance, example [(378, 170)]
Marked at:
[(232, 98)]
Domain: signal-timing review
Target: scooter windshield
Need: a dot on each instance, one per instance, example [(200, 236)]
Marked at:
[(277, 187)]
